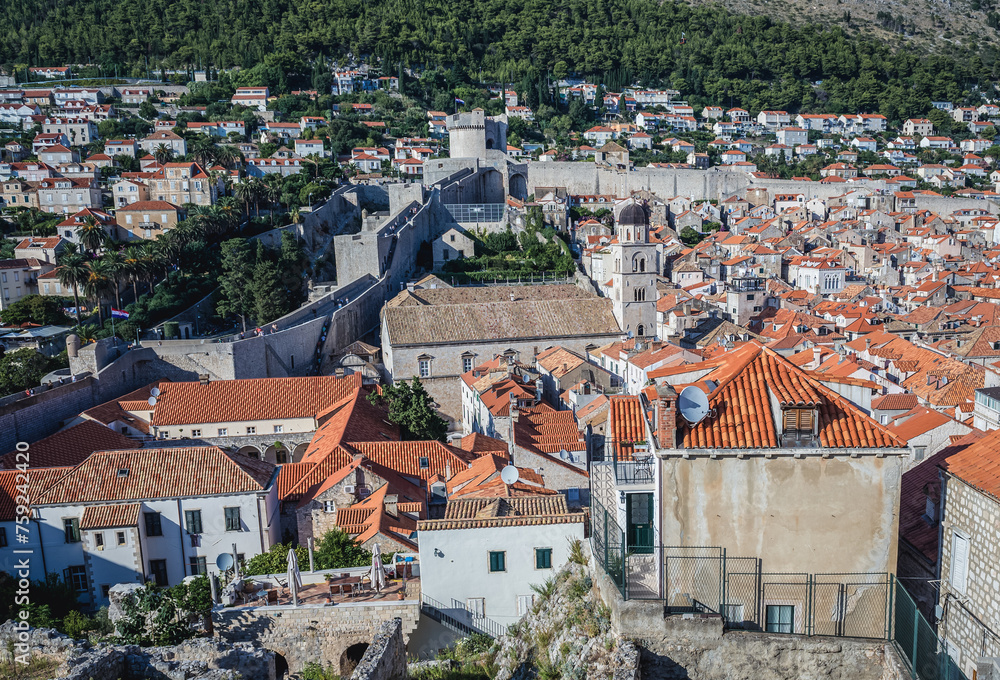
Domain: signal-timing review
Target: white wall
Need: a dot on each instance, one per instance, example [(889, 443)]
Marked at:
[(259, 531), (462, 571)]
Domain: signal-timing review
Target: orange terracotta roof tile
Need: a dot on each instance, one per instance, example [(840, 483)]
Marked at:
[(71, 446), (109, 516), (39, 479), (223, 401), (159, 473)]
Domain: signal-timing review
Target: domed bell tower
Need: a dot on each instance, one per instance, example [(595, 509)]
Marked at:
[(634, 269)]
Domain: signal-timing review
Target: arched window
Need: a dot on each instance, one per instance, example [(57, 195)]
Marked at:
[(640, 330), (639, 294)]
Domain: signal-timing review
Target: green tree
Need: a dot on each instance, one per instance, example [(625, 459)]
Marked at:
[(148, 111), (410, 408), (73, 273), (22, 369), (270, 298), (40, 309), (691, 237), (275, 560), (337, 550), (236, 295)]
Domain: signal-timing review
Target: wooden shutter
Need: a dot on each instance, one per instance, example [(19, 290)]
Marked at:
[(959, 562)]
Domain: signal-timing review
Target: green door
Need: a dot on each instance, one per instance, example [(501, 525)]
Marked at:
[(639, 517)]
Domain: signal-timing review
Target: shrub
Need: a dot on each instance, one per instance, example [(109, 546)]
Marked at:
[(77, 625)]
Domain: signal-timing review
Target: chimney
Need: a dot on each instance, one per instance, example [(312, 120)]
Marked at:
[(817, 356), (687, 309), (931, 378), (392, 505), (666, 417), (868, 344), (203, 378), (410, 286), (539, 390)]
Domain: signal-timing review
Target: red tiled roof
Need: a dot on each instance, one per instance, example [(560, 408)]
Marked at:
[(71, 446), (108, 516), (226, 401), (901, 401), (627, 424), (38, 481), (159, 473), (979, 465), (744, 417)]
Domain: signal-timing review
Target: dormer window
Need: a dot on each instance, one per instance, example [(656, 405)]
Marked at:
[(798, 426)]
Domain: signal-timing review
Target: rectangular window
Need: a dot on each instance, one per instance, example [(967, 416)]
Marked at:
[(223, 432), (71, 527), (524, 604), (424, 462), (919, 452), (99, 540), (252, 430), (466, 364), (799, 419), (199, 566), (425, 368), (233, 519), (329, 506), (158, 570), (780, 618), (195, 433), (543, 558), (3, 537), (153, 526), (476, 606), (105, 591), (120, 537), (279, 428), (192, 520), (498, 561), (76, 577), (959, 575)]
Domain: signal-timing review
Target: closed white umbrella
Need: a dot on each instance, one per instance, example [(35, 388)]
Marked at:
[(378, 573), (294, 578)]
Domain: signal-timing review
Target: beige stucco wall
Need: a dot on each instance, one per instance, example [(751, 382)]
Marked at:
[(809, 515)]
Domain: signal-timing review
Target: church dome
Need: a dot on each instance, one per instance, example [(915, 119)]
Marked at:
[(633, 215)]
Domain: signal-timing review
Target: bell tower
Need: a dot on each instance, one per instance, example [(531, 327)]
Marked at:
[(634, 269)]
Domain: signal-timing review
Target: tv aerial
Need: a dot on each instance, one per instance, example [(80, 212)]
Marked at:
[(693, 404)]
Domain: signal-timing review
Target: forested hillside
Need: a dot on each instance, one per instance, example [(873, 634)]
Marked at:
[(703, 51)]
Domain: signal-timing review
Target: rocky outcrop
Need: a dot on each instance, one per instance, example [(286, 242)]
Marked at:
[(568, 634), (197, 659)]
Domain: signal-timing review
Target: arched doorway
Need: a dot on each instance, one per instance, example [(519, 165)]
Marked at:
[(351, 657), (278, 453), (518, 186), (251, 451), (299, 452), (280, 666)]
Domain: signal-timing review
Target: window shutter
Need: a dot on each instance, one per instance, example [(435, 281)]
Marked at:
[(959, 562), (791, 419)]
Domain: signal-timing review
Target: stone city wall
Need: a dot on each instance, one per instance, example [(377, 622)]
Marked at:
[(313, 633), (385, 658)]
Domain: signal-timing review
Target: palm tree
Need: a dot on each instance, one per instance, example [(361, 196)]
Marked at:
[(73, 272), (91, 234), (228, 156), (133, 266), (271, 191), (245, 193), (97, 285), (114, 260), (162, 153)]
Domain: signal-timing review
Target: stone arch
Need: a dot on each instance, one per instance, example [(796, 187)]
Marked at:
[(489, 142), (351, 658), (640, 331), (518, 186), (251, 451), (278, 453), (280, 665), (299, 452)]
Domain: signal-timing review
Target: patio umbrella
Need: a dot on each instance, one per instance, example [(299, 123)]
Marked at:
[(294, 578), (378, 573)]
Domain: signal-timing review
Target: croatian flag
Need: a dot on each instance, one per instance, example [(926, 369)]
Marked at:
[(118, 314), (459, 101)]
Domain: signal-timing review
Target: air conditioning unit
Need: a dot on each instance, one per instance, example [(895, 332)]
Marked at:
[(348, 488)]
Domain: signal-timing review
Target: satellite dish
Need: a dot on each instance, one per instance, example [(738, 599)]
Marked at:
[(224, 562), (155, 391), (509, 474), (693, 404), (151, 401)]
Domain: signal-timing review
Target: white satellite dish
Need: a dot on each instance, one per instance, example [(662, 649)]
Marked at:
[(509, 474), (155, 391), (224, 561), (693, 404), (151, 401)]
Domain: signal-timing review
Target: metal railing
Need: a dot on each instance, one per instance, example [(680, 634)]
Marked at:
[(460, 618), (918, 643), (705, 579), (477, 212)]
